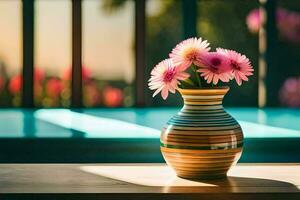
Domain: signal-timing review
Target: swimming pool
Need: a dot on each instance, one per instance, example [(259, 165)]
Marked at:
[(132, 134)]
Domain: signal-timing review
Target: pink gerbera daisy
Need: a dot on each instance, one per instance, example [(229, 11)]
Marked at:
[(214, 67), (188, 52), (240, 64), (165, 77)]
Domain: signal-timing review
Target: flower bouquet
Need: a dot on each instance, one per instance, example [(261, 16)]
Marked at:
[(194, 53), (202, 140)]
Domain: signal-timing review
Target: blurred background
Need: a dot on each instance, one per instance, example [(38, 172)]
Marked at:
[(121, 41)]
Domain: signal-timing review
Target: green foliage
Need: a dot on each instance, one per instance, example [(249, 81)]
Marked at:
[(111, 6), (164, 31), (223, 24)]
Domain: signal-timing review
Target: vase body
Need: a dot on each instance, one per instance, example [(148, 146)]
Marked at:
[(202, 140)]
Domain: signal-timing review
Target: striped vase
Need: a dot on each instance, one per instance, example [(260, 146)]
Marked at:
[(202, 140)]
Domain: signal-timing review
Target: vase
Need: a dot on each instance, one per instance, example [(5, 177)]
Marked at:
[(202, 141)]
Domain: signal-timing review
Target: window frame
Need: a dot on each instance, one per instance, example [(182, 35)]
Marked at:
[(189, 9)]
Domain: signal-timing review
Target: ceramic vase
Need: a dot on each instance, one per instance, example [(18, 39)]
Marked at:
[(202, 141)]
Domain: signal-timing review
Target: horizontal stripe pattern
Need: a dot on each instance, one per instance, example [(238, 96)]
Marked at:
[(202, 140)]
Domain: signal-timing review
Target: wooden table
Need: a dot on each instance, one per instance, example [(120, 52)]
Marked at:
[(144, 181)]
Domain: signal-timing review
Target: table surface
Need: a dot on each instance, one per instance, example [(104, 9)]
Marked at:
[(134, 122), (128, 180)]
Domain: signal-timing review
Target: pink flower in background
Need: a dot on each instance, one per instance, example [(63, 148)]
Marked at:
[(289, 93), (240, 65), (281, 15), (86, 73), (254, 20), (39, 77), (39, 74), (53, 87), (288, 23), (113, 97), (2, 83), (165, 77), (215, 66), (188, 52), (92, 96), (15, 84)]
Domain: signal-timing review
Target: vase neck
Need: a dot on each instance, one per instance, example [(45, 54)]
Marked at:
[(199, 101), (204, 97)]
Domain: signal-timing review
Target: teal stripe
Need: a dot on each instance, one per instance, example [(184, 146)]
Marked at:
[(202, 117), (201, 147), (202, 124), (218, 130), (204, 121), (207, 112), (199, 125), (203, 105)]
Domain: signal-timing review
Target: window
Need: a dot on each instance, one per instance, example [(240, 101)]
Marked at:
[(108, 53), (52, 68), (10, 53), (123, 38)]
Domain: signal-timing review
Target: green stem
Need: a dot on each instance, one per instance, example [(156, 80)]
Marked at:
[(189, 82), (197, 76)]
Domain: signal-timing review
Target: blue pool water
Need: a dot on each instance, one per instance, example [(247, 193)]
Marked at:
[(134, 122)]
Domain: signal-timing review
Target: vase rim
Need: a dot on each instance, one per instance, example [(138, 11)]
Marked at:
[(206, 88), (204, 91)]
